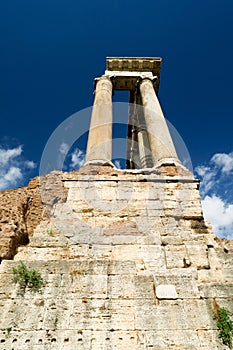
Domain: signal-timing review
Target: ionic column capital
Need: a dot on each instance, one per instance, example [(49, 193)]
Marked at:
[(104, 83), (147, 81)]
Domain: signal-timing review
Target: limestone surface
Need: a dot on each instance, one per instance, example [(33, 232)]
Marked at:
[(126, 258)]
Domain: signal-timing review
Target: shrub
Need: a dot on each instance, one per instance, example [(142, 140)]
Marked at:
[(225, 326), (27, 278)]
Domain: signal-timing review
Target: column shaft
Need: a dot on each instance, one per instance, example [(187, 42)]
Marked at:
[(162, 147), (132, 141), (99, 146), (143, 141)]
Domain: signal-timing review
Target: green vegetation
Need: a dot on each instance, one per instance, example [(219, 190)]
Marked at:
[(9, 329), (50, 232), (225, 326), (27, 278)]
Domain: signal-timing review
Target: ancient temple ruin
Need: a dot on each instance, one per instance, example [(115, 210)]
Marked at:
[(126, 258), (148, 136)]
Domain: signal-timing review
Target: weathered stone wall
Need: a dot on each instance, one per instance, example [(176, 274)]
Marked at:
[(21, 210), (127, 262)]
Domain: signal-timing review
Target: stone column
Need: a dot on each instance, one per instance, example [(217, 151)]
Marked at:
[(143, 141), (99, 146), (132, 161), (162, 147)]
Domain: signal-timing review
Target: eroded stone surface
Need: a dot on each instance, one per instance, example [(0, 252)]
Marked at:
[(22, 209), (104, 254)]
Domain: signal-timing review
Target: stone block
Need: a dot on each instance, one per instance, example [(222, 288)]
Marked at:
[(102, 314), (153, 256), (216, 290), (117, 267), (228, 274), (6, 286), (18, 313), (151, 238), (198, 256), (130, 287), (171, 240), (56, 313), (154, 204), (166, 291), (175, 256), (173, 314), (147, 223), (119, 340), (44, 340), (176, 339), (209, 339), (184, 280)]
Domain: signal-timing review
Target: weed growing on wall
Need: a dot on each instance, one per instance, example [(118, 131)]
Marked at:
[(225, 326), (27, 278)]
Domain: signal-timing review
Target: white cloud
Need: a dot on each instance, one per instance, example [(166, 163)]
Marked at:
[(69, 160), (202, 170), (8, 154), (220, 166), (13, 175), (77, 159), (10, 177), (13, 167), (219, 214), (30, 164), (207, 178), (216, 193), (223, 161)]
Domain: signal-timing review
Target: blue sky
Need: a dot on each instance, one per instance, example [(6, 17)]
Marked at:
[(52, 50)]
